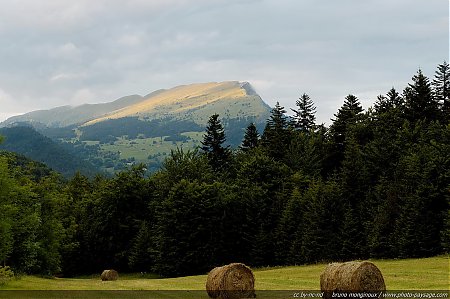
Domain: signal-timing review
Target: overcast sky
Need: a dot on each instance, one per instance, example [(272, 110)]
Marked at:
[(61, 52)]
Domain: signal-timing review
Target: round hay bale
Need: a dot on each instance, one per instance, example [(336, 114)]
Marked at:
[(108, 275), (351, 277), (231, 281)]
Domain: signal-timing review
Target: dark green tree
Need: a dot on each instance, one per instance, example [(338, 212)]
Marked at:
[(347, 117), (355, 183), (189, 165), (423, 174), (385, 147), (381, 240), (266, 180), (441, 87), (276, 134), (73, 213), (391, 100), (304, 116), (142, 253), (213, 140), (304, 153), (26, 232), (289, 235), (51, 231), (419, 101), (251, 138), (323, 218)]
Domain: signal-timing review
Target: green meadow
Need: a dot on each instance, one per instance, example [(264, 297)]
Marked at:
[(141, 149), (408, 274)]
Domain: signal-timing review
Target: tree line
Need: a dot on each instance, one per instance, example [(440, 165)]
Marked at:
[(374, 184)]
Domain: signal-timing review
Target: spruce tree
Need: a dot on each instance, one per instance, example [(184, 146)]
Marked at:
[(441, 86), (419, 100), (251, 138), (304, 117), (347, 116), (276, 134), (213, 141), (386, 103)]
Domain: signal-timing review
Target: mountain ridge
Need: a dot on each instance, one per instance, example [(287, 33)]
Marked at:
[(195, 101)]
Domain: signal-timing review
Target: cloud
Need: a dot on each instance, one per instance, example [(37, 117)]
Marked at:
[(67, 76), (62, 52), (8, 106), (5, 98), (82, 96)]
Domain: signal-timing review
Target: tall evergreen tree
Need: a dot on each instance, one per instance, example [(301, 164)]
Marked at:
[(251, 138), (419, 100), (347, 116), (392, 100), (276, 133), (355, 184), (304, 117), (213, 141), (322, 221), (441, 86)]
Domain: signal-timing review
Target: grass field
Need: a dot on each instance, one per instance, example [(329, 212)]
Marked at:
[(140, 149), (409, 274)]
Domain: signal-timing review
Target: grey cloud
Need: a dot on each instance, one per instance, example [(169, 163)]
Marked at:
[(59, 52)]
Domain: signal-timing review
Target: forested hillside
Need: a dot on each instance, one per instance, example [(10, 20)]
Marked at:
[(61, 157), (375, 183)]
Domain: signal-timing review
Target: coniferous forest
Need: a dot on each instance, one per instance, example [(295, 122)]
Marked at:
[(375, 183)]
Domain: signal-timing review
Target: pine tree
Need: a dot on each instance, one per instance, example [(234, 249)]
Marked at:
[(441, 86), (347, 116), (213, 141), (354, 183), (304, 117), (386, 103), (251, 138), (276, 134), (419, 101)]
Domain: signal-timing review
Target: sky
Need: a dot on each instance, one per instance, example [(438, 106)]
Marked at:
[(56, 52)]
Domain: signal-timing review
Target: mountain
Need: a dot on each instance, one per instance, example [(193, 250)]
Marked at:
[(195, 102), (144, 129), (67, 115)]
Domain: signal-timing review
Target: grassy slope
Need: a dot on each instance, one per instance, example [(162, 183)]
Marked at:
[(419, 274), (178, 100), (140, 149)]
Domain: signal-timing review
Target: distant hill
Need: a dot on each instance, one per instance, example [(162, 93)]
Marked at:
[(28, 142), (24, 166), (67, 115), (196, 102), (143, 129)]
